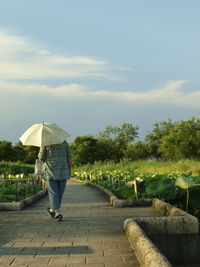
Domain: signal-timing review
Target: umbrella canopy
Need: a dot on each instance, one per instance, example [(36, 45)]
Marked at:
[(43, 134)]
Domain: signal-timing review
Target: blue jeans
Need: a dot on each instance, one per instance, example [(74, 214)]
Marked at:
[(56, 189)]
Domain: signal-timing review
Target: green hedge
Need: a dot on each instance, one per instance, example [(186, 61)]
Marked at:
[(8, 190), (15, 168)]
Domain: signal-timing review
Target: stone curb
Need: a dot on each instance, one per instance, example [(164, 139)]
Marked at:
[(183, 225), (119, 203), (20, 205), (146, 252), (179, 221), (168, 209)]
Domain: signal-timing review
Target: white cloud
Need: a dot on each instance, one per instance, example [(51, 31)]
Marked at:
[(169, 94), (21, 59)]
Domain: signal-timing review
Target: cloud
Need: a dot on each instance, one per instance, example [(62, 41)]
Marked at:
[(24, 60), (21, 59), (166, 93), (169, 94)]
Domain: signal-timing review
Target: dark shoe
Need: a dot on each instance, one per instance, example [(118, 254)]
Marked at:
[(51, 213), (58, 218)]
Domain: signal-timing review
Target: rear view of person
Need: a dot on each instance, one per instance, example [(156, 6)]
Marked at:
[(57, 170)]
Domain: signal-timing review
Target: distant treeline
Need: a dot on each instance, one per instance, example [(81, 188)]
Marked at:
[(167, 141)]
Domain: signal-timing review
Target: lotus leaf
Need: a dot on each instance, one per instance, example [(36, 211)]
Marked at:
[(162, 188), (184, 182)]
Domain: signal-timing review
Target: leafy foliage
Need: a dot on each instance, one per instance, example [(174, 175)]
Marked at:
[(160, 187), (87, 149), (184, 183), (6, 151), (15, 168), (183, 141), (10, 192), (137, 151), (155, 137), (119, 137), (18, 152)]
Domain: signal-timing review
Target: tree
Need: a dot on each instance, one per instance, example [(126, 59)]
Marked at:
[(31, 153), (136, 151), (6, 151), (154, 138), (124, 134), (119, 137), (84, 150), (183, 141), (19, 153)]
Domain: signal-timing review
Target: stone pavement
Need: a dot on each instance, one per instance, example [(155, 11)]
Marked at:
[(91, 233)]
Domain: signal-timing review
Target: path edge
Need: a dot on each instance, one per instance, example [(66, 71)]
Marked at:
[(20, 205), (146, 252)]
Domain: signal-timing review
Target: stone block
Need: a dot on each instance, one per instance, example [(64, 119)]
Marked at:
[(147, 253), (6, 259)]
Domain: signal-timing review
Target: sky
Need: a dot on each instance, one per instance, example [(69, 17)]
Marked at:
[(87, 64)]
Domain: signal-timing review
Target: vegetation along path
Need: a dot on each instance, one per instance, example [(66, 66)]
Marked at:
[(91, 233)]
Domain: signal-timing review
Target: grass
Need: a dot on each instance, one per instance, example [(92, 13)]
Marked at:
[(146, 166)]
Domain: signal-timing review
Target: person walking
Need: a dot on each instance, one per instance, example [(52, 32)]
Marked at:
[(57, 170)]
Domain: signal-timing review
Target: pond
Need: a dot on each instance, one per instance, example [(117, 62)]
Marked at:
[(180, 250)]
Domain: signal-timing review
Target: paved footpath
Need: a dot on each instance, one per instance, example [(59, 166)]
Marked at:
[(91, 233)]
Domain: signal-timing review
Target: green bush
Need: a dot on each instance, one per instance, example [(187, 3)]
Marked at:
[(15, 168), (8, 190)]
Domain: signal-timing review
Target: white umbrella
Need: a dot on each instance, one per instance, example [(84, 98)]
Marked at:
[(43, 134)]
